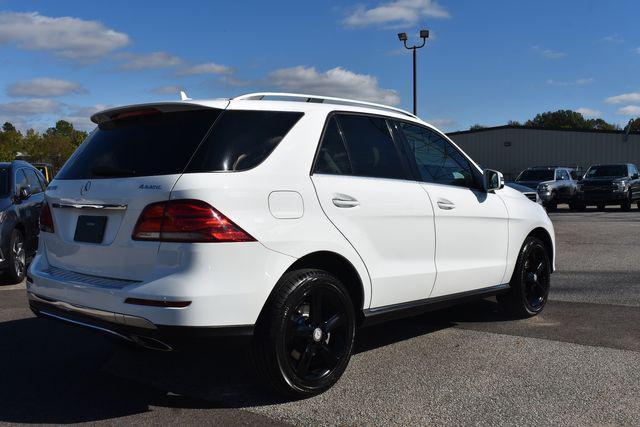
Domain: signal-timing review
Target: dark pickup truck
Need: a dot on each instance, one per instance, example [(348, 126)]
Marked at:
[(614, 184)]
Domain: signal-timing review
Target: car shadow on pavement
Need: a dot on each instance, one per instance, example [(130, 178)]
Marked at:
[(52, 373)]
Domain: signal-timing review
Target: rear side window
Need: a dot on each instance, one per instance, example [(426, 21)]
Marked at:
[(154, 143), (4, 181), (332, 157), (241, 140), (370, 147)]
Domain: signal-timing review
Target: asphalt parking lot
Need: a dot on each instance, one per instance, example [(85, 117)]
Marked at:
[(577, 363)]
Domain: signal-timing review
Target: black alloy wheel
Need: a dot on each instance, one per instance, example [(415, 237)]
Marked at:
[(317, 335), (531, 280), (304, 336)]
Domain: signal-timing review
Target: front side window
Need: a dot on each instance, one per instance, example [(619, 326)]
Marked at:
[(437, 160), (33, 181), (20, 181), (332, 157), (562, 175), (242, 139), (370, 147)]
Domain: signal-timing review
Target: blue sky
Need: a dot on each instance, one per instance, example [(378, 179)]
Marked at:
[(487, 61)]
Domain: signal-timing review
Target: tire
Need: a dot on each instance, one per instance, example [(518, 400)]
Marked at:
[(552, 204), (17, 263), (626, 206), (304, 337), (580, 207), (529, 286), (601, 207)]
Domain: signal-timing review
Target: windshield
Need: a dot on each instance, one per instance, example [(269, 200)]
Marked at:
[(536, 175), (4, 182), (607, 171)]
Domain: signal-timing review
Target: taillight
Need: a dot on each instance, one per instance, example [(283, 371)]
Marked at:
[(186, 221), (46, 220)]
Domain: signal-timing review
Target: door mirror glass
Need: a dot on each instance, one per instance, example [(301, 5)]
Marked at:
[(634, 176), (493, 180), (24, 193)]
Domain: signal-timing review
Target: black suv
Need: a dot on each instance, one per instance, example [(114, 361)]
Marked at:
[(616, 184), (21, 195), (554, 184)]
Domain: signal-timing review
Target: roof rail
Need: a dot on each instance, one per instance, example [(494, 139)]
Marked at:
[(258, 96)]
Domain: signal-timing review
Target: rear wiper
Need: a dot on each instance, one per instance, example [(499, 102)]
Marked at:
[(103, 170)]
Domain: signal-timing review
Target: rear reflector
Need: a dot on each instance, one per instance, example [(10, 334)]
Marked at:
[(186, 221), (157, 303), (46, 220)]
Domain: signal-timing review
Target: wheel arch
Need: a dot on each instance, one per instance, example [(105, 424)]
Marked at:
[(340, 267), (542, 234)]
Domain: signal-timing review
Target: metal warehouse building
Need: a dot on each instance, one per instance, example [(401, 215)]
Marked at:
[(511, 149)]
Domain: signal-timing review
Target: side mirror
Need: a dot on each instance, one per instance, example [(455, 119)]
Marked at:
[(634, 176), (24, 193), (493, 180)]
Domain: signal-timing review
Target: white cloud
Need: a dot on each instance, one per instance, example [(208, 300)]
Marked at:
[(147, 61), (167, 90), (80, 117), (334, 82), (623, 98), (397, 12), (589, 112), (629, 110), (65, 37), (577, 82), (636, 50), (44, 87), (30, 107), (207, 68), (443, 123), (549, 53), (613, 38)]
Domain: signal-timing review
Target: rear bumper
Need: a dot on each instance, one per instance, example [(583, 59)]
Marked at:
[(133, 329), (214, 283)]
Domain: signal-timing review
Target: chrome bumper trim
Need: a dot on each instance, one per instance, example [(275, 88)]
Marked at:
[(105, 316)]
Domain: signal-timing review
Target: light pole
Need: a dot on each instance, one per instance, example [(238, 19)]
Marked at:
[(424, 35)]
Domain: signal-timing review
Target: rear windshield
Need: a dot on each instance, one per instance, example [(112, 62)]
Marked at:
[(536, 175), (140, 145), (607, 171), (4, 181), (163, 143)]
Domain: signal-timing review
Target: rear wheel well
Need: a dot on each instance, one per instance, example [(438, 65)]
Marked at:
[(339, 267), (544, 236)]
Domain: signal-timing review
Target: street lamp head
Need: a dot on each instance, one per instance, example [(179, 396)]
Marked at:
[(424, 34), (402, 37)]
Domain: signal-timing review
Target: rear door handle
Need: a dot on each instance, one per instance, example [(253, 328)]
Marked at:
[(446, 205), (344, 201)]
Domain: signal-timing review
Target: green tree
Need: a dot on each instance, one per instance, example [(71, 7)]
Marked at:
[(568, 119), (477, 127)]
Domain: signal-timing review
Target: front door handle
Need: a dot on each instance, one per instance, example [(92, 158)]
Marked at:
[(344, 201), (446, 205)]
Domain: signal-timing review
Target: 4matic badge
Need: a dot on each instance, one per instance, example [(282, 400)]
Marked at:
[(150, 187)]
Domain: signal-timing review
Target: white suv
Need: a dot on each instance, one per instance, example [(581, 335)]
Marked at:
[(292, 218)]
